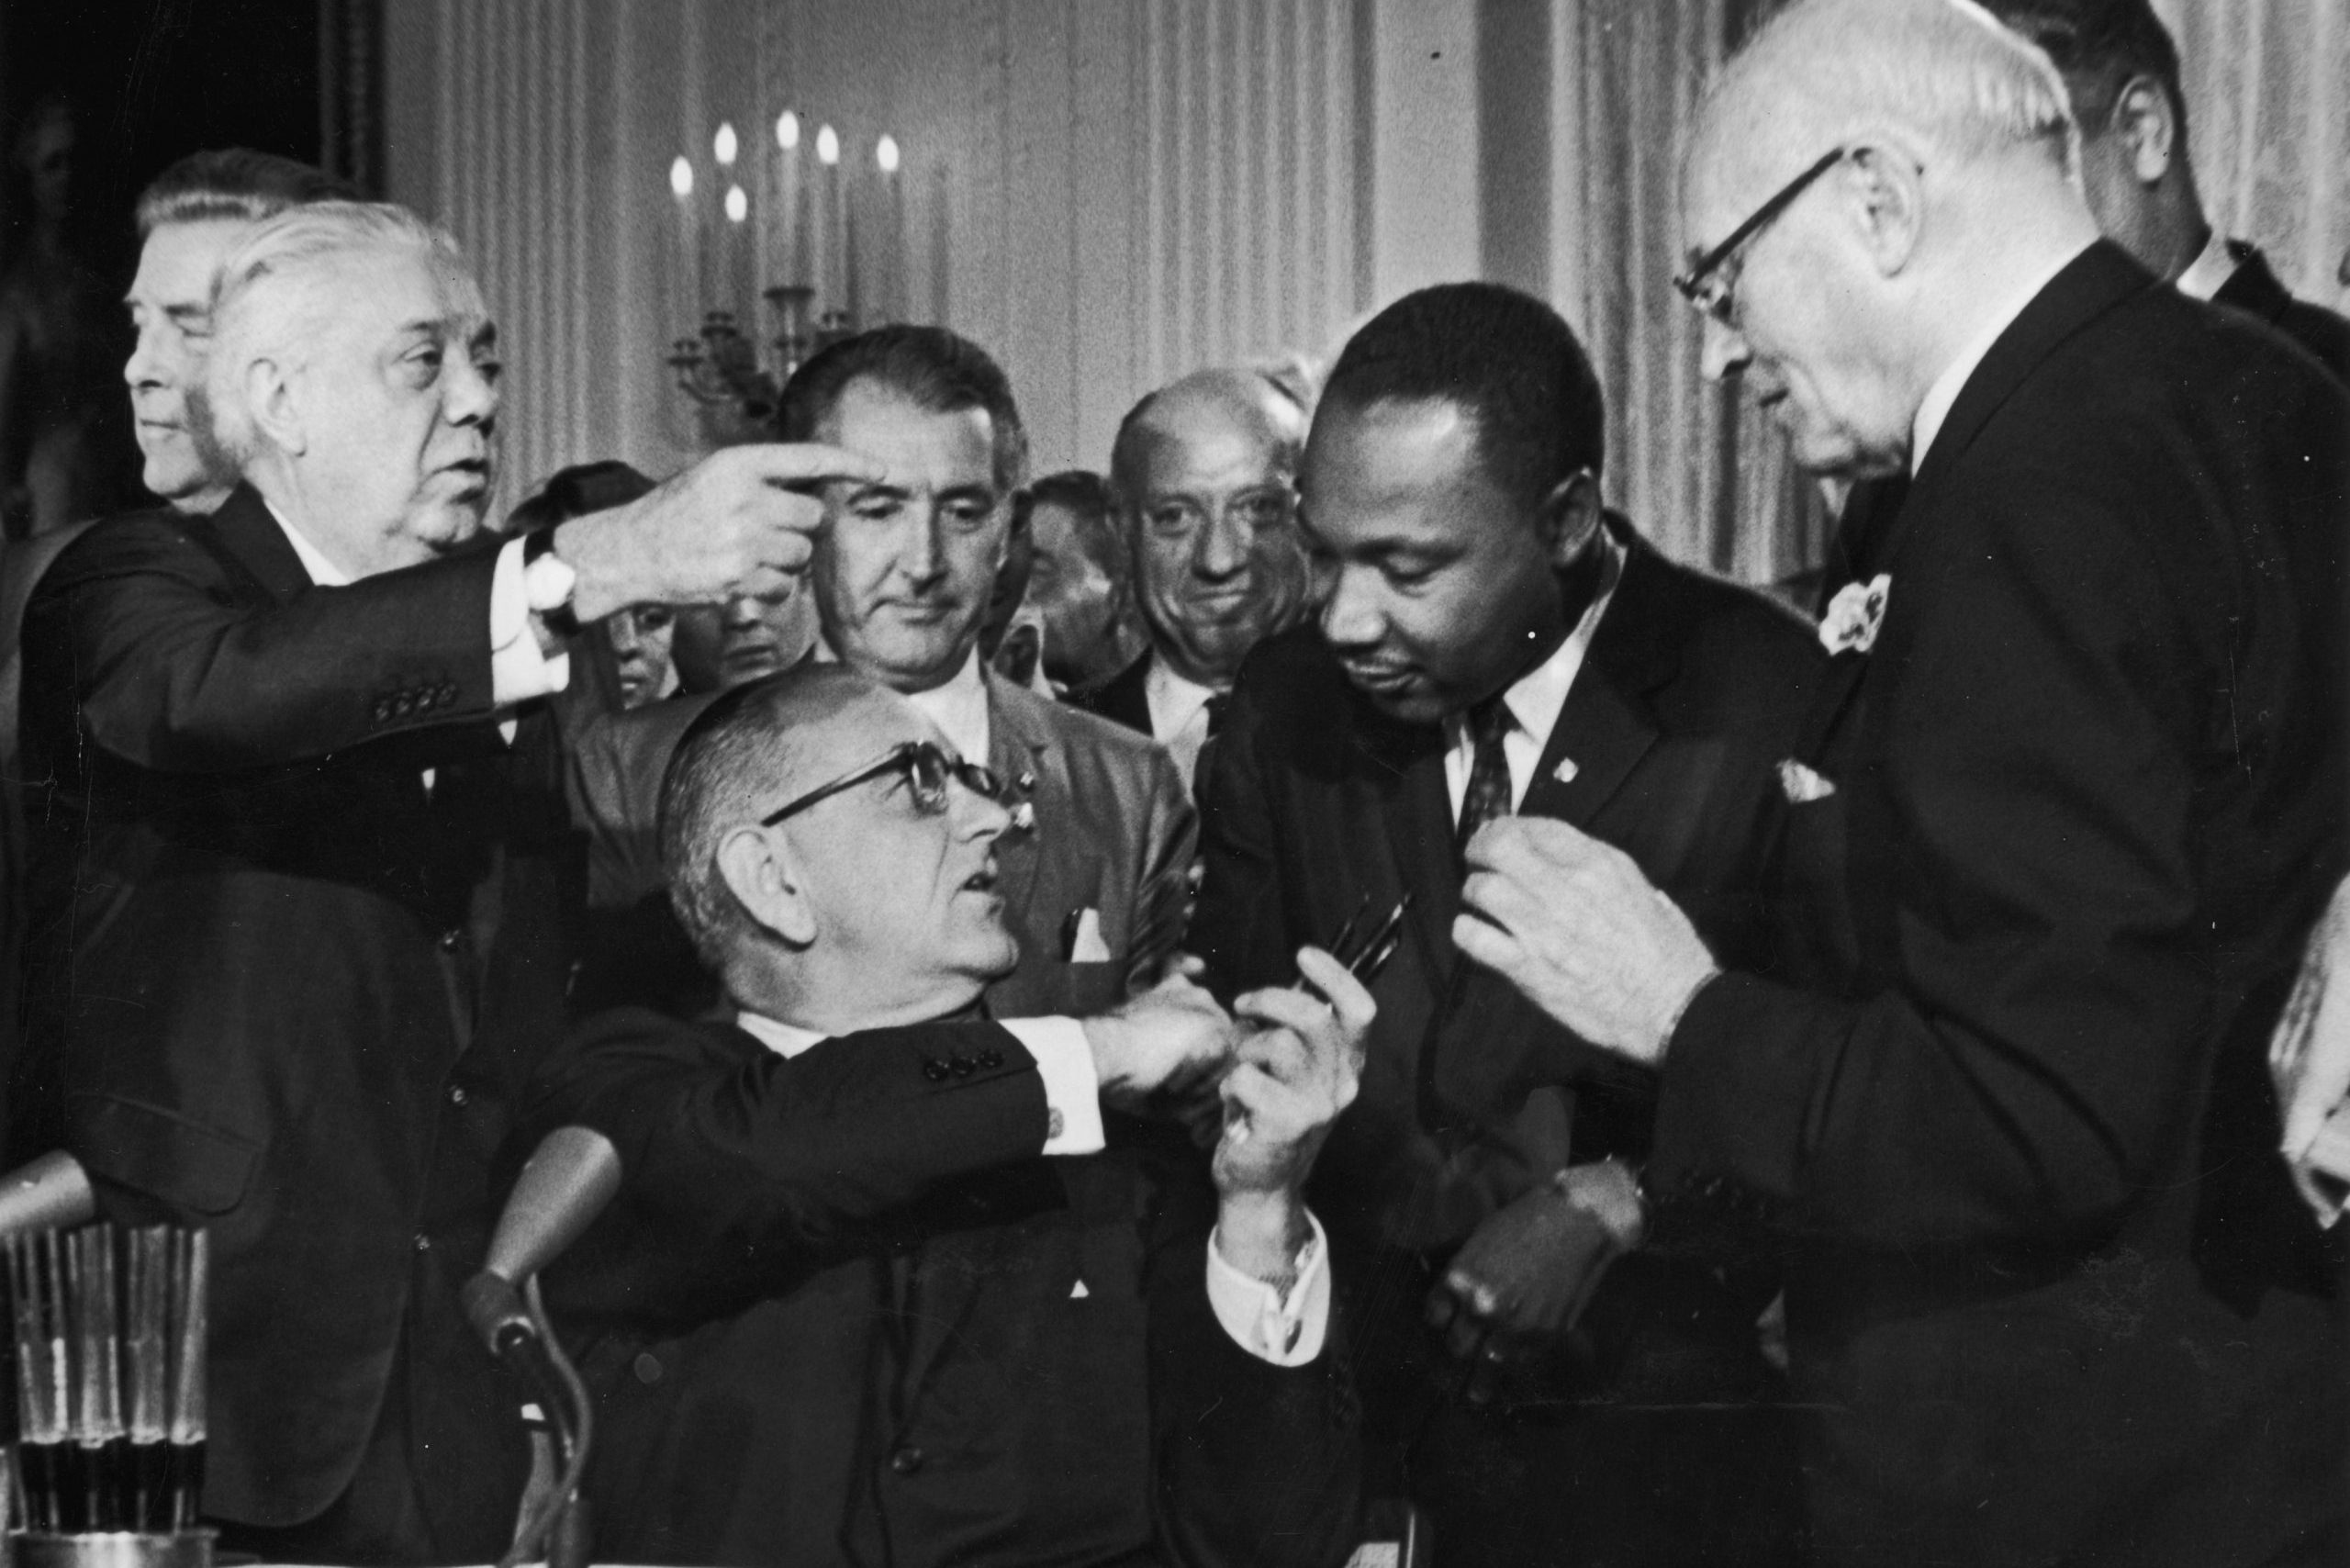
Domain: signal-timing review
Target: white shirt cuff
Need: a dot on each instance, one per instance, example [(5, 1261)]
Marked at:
[(518, 670), (1072, 1089), (1286, 1330)]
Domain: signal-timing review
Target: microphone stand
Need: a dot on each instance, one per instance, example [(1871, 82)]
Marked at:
[(559, 1528)]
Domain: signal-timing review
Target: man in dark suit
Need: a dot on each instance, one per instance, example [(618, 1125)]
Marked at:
[(1205, 472), (880, 1288), (1493, 642), (2052, 1296), (302, 875), (1095, 865)]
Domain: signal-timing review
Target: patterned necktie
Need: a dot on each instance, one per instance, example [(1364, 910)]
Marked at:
[(1487, 796)]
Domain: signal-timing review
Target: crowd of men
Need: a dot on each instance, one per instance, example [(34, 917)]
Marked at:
[(1308, 993)]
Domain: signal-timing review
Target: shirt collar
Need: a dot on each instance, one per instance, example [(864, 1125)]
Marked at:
[(787, 1040), (2209, 271), (323, 572), (959, 708), (1943, 394), (1536, 698), (1173, 698)]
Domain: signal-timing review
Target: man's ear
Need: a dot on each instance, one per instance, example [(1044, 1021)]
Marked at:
[(757, 866), (276, 412), (2143, 122), (1885, 194), (1570, 519)]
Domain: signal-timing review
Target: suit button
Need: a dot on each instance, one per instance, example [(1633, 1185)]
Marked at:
[(647, 1367), (906, 1460), (383, 712), (935, 1070), (960, 1065), (450, 939), (423, 1242), (456, 1094), (990, 1060), (448, 692)]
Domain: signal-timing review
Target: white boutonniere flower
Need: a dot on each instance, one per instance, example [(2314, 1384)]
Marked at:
[(1854, 614)]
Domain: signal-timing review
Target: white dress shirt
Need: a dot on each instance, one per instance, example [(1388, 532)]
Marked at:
[(1535, 701), (519, 671), (1285, 1330), (1935, 406), (2209, 271), (1179, 715), (960, 709)]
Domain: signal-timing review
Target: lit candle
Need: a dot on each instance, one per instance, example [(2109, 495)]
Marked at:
[(685, 259), (831, 222), (896, 299), (791, 224), (738, 256)]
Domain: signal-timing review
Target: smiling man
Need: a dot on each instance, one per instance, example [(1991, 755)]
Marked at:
[(297, 884), (2069, 800), (1495, 641), (1204, 472)]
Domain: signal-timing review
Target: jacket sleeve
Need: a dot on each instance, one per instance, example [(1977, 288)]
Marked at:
[(739, 1173), (1259, 1466), (175, 671), (1241, 928)]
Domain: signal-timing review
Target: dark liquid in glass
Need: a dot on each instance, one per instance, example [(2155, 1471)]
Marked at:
[(37, 1463), (152, 1502), (186, 1476)]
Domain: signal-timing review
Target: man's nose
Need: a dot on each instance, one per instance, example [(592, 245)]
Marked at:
[(145, 365), (921, 553), (1224, 546), (472, 396), (1351, 618), (1723, 351), (743, 613), (974, 815)]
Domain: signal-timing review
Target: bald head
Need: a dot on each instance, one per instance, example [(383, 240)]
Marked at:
[(1242, 404), (1941, 77), (1205, 472)]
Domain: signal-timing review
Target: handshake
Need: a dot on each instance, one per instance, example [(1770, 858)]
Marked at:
[(1280, 1067)]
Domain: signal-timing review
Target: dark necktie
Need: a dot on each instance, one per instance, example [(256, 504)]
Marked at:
[(1487, 796), (1204, 766)]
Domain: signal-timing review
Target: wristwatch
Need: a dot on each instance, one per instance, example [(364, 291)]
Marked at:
[(547, 583)]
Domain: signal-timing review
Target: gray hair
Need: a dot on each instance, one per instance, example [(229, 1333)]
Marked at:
[(1946, 71), (268, 303)]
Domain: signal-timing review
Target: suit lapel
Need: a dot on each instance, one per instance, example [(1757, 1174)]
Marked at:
[(1018, 751), (1605, 727)]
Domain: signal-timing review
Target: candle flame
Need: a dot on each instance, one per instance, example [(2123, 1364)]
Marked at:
[(828, 145), (681, 179), (787, 130), (738, 206), (885, 152), (724, 144)]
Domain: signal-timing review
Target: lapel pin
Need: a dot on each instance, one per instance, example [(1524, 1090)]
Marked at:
[(1566, 771), (1027, 780)]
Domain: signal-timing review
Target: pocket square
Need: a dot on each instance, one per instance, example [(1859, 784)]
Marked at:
[(1085, 944), (1801, 784)]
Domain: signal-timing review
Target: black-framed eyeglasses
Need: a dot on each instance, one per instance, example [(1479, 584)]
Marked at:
[(927, 767), (1705, 284)]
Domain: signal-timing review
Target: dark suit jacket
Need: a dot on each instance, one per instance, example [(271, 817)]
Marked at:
[(1667, 746), (276, 988), (1124, 698), (840, 1313), (2057, 1302), (1107, 826), (2253, 288)]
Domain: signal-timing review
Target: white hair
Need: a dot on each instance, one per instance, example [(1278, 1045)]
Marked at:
[(1944, 71), (275, 296)]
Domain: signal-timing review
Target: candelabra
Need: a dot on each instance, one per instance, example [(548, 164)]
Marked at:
[(722, 371)]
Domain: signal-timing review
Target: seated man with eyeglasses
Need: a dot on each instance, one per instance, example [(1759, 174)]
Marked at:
[(874, 1286)]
